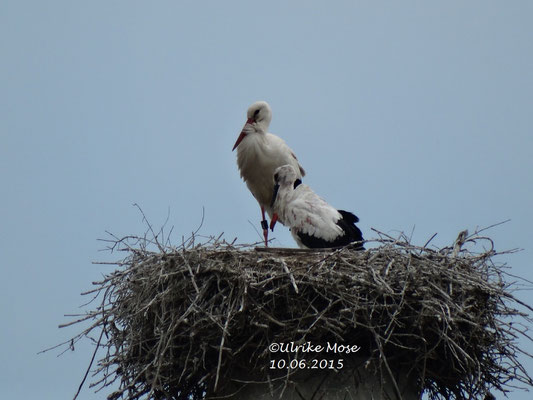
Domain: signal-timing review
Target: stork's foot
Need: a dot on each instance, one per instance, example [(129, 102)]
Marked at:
[(264, 225)]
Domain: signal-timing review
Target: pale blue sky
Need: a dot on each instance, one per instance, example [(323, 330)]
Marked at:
[(410, 114)]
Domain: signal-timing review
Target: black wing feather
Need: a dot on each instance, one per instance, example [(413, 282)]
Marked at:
[(351, 234)]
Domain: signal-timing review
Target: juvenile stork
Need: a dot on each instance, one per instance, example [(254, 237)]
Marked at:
[(259, 154), (312, 221)]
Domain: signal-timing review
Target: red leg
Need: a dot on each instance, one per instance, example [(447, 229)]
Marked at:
[(264, 225)]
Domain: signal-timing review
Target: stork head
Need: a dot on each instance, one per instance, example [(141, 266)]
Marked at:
[(259, 114), (284, 176), (258, 120)]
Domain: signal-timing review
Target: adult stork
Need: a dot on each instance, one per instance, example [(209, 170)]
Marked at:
[(312, 221), (259, 153)]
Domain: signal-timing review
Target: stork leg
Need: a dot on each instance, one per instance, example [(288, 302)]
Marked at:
[(264, 225)]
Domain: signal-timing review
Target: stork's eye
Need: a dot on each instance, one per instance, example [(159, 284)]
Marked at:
[(276, 177), (256, 113)]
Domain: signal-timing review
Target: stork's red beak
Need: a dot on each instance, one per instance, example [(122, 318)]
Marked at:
[(243, 134), (273, 221), (239, 140)]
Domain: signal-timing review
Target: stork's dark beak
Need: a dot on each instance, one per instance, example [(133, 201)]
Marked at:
[(273, 221), (243, 134), (274, 195)]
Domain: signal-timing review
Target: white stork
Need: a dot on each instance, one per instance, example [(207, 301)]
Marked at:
[(258, 154), (312, 221)]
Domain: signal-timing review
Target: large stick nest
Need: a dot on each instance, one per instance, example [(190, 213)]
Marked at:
[(182, 322)]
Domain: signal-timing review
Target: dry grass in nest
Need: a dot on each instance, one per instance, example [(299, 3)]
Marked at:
[(180, 322)]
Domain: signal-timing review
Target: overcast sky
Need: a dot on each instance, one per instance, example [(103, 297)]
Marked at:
[(417, 116)]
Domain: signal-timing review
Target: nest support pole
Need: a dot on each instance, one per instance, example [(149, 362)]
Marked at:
[(357, 383)]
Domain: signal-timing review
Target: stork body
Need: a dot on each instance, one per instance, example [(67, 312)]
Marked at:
[(259, 153), (313, 222)]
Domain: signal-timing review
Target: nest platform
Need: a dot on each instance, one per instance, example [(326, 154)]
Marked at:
[(195, 321)]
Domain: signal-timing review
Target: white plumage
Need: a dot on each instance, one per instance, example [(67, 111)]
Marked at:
[(313, 222), (259, 154)]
